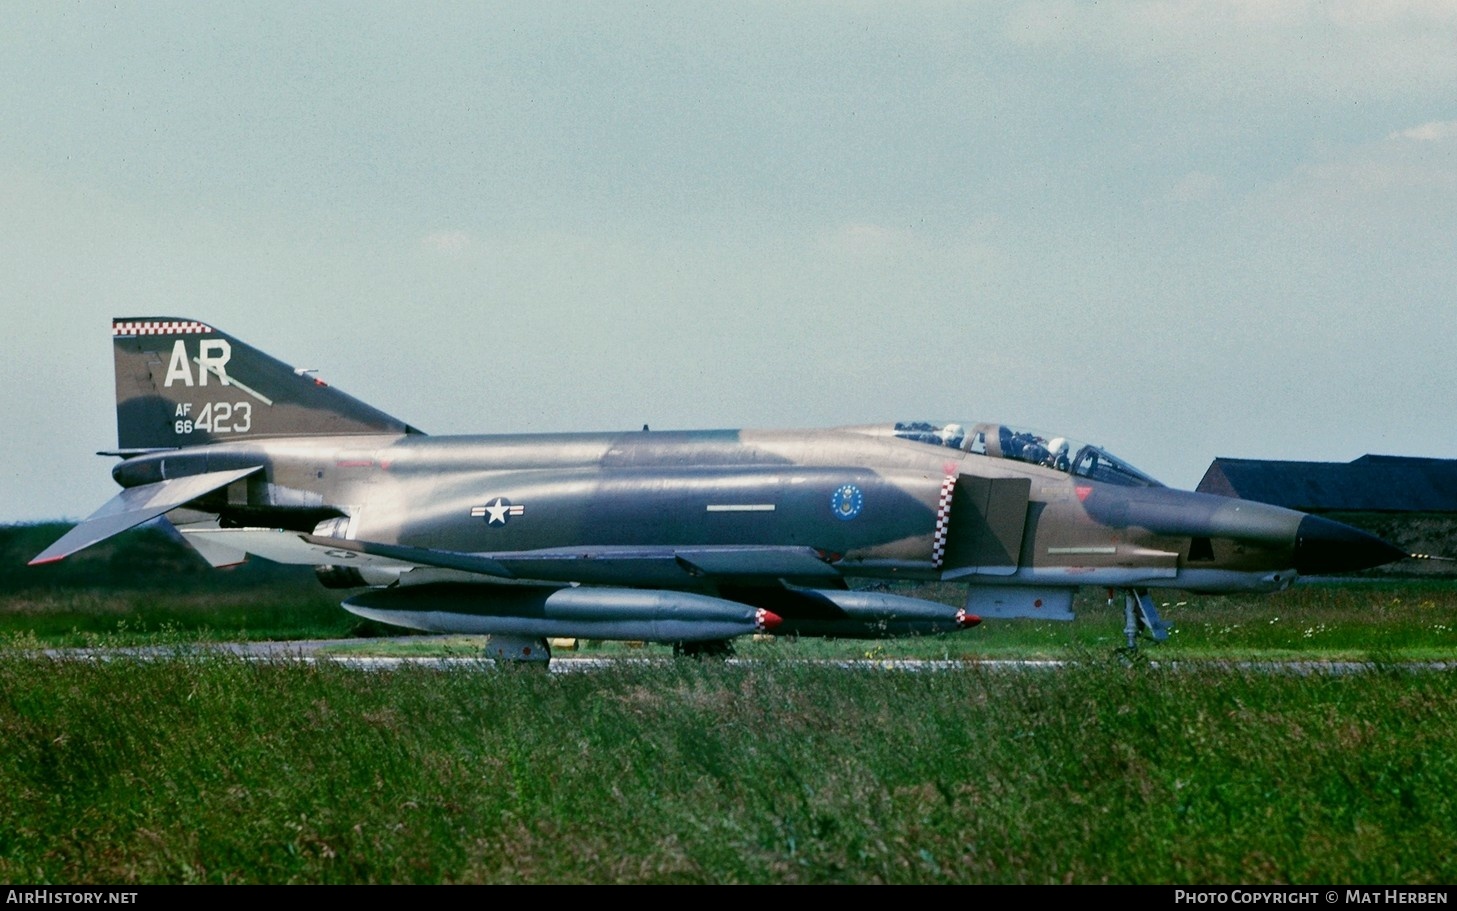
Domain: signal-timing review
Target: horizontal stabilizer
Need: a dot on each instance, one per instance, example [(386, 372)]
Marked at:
[(134, 506)]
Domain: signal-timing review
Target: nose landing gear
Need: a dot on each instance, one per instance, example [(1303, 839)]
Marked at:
[(1140, 615)]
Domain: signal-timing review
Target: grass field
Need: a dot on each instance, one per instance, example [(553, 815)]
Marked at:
[(222, 770), (207, 768)]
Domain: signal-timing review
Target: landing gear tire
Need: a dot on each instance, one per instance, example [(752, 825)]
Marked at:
[(713, 648)]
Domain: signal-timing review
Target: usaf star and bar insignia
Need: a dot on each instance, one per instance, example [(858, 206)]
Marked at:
[(497, 512)]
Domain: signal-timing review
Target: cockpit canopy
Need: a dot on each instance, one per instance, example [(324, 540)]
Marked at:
[(999, 441)]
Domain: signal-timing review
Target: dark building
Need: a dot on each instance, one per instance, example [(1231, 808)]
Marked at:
[(1372, 483), (1410, 502)]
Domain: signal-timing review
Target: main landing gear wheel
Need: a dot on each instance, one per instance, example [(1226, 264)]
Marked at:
[(712, 648)]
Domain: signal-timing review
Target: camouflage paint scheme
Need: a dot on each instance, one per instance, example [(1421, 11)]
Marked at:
[(690, 537)]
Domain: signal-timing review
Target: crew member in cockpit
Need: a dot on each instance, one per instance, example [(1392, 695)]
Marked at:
[(1034, 449), (1057, 454)]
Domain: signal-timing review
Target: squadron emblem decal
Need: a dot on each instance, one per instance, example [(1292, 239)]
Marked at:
[(847, 501), (497, 512)]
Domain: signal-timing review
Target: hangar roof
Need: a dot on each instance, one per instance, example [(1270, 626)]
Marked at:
[(1372, 483)]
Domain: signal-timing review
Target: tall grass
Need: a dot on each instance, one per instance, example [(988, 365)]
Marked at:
[(210, 768), (219, 770)]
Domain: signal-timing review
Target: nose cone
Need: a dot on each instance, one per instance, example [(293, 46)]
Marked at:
[(1323, 546)]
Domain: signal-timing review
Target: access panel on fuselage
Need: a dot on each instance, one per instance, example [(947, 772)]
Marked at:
[(986, 521)]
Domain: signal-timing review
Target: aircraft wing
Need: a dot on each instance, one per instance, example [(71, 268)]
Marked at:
[(602, 565), (672, 565), (343, 552), (136, 505), (292, 547)]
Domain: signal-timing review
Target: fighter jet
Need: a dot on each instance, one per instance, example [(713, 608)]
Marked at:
[(691, 538)]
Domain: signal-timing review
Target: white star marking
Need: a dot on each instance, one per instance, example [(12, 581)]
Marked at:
[(498, 509)]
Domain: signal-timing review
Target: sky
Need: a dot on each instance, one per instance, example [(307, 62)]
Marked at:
[(1182, 230)]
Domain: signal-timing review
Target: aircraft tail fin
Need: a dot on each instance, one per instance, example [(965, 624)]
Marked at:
[(180, 382)]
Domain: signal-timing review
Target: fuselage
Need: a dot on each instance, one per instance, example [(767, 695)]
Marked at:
[(872, 504)]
